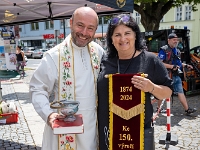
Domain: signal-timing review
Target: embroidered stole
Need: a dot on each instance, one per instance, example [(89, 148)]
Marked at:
[(67, 83)]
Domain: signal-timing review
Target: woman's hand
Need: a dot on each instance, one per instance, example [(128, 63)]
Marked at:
[(142, 84)]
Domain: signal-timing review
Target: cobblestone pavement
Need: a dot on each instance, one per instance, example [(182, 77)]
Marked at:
[(186, 128), (15, 136), (27, 133)]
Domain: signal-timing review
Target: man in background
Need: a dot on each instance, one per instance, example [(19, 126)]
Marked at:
[(171, 59)]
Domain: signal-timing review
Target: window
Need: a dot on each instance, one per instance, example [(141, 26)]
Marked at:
[(67, 23), (36, 43), (49, 24), (106, 19), (162, 20), (178, 13), (188, 10), (20, 28), (137, 17), (35, 26)]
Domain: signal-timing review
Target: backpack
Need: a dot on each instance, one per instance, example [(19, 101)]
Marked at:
[(170, 56), (168, 53)]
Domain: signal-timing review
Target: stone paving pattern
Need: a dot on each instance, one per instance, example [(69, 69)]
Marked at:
[(27, 133), (187, 128)]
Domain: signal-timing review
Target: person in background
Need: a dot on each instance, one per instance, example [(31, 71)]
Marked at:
[(171, 59), (69, 72), (126, 54), (20, 61)]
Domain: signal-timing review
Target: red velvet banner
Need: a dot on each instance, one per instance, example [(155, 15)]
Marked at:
[(125, 134)]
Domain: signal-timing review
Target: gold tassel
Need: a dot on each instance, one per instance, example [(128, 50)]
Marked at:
[(127, 114)]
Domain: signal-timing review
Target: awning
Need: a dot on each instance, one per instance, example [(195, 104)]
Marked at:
[(31, 38), (13, 12)]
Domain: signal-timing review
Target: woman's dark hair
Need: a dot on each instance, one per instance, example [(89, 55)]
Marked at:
[(19, 47), (128, 21)]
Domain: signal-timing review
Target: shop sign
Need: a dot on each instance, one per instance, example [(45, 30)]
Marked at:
[(61, 36), (48, 36)]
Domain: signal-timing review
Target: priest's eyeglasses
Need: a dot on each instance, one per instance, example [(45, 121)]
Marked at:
[(123, 18)]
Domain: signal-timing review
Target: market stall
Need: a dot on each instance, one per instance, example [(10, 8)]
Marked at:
[(7, 50)]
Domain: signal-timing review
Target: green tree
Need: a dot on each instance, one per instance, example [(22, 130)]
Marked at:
[(152, 11), (106, 19)]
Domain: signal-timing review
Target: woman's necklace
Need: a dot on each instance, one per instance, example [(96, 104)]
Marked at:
[(118, 65)]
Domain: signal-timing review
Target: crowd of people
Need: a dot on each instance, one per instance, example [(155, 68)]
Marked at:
[(76, 69)]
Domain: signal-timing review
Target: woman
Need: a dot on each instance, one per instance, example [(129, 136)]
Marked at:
[(20, 61), (126, 55)]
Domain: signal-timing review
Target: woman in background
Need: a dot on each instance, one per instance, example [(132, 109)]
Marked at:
[(20, 61)]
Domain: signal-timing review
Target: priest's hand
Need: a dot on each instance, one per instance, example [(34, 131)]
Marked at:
[(53, 116)]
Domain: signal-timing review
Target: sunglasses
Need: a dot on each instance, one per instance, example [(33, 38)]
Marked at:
[(116, 20)]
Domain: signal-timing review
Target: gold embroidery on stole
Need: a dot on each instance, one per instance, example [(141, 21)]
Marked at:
[(66, 82)]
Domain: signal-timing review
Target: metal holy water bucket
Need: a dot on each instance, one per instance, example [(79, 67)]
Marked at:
[(67, 108)]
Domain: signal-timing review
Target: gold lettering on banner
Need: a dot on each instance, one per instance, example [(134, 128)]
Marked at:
[(126, 146), (125, 97), (125, 89), (125, 128), (125, 137)]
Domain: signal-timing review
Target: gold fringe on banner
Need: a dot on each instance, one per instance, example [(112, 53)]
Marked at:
[(127, 114)]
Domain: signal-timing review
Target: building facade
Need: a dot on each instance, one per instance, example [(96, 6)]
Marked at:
[(49, 33), (180, 17)]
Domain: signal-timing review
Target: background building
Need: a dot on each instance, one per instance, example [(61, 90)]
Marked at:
[(42, 34), (180, 17)]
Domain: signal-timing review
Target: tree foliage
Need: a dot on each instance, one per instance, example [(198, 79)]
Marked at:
[(152, 11)]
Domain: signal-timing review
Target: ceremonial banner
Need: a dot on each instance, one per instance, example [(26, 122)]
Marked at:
[(126, 114)]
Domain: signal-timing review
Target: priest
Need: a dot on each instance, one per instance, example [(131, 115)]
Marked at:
[(69, 72)]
